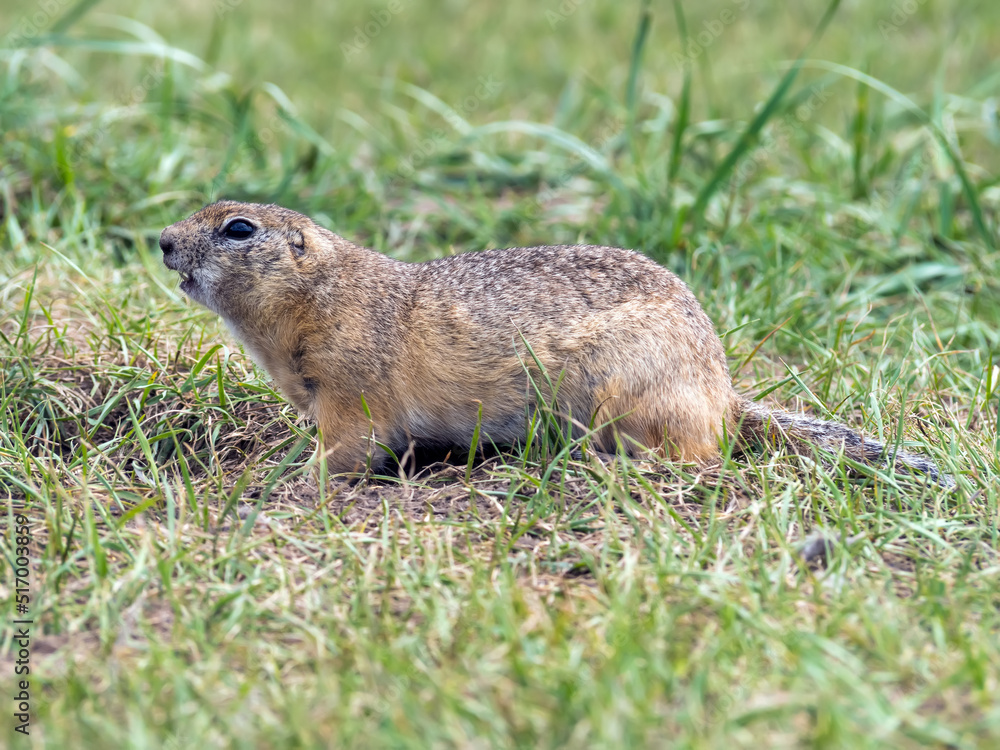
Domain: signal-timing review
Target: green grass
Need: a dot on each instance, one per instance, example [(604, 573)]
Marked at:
[(197, 582)]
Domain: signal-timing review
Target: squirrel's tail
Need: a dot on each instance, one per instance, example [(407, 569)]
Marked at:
[(800, 431)]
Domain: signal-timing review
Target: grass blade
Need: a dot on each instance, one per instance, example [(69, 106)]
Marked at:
[(746, 139), (967, 188), (632, 84)]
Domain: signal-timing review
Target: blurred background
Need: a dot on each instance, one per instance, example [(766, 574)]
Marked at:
[(430, 127)]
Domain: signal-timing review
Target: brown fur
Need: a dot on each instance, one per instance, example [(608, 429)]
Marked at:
[(425, 344)]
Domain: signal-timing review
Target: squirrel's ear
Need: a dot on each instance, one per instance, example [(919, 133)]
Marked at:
[(298, 242)]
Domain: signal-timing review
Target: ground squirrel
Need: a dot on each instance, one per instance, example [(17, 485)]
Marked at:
[(427, 345)]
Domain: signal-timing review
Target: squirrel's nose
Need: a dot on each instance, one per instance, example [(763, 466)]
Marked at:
[(166, 241)]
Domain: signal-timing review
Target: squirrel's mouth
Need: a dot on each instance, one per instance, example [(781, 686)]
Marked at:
[(196, 284), (190, 286)]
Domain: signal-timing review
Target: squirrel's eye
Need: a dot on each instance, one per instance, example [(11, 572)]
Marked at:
[(238, 229)]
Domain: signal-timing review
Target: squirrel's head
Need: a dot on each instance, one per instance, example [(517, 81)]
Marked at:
[(235, 257)]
